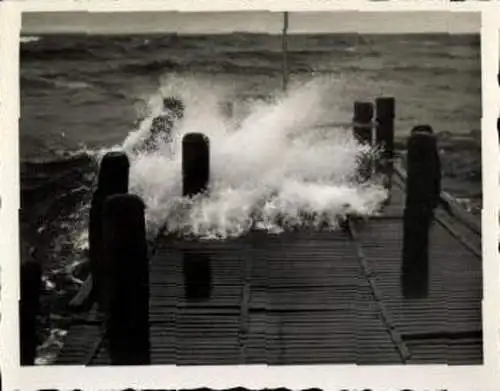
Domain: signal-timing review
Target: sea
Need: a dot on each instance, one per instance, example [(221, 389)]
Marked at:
[(273, 153)]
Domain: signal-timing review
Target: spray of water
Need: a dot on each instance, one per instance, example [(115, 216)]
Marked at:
[(273, 169)]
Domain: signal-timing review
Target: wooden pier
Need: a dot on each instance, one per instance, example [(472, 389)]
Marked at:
[(304, 297)]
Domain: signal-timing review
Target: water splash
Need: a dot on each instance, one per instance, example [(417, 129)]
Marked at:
[(273, 169)]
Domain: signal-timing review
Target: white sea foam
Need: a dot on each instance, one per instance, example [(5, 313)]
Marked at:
[(271, 170), (28, 39)]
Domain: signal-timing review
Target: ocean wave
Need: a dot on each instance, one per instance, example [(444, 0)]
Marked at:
[(33, 81), (451, 54), (198, 66), (39, 177), (434, 69), (61, 157), (132, 55), (39, 52), (235, 66), (277, 53), (29, 39), (61, 175), (151, 66)]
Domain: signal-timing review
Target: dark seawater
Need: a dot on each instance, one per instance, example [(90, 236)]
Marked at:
[(80, 94)]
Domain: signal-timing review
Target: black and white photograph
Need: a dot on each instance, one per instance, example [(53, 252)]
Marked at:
[(236, 188)]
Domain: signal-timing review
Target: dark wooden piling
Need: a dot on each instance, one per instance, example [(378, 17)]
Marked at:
[(362, 121), (127, 279), (113, 178), (362, 128), (114, 173), (29, 304), (384, 138), (422, 129), (195, 164), (195, 177), (422, 197), (384, 125)]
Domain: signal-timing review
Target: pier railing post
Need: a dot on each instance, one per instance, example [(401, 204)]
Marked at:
[(195, 179), (195, 164), (112, 179), (127, 286), (29, 304), (362, 128), (422, 129), (384, 136), (422, 196)]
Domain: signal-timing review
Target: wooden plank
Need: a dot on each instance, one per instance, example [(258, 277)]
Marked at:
[(454, 301), (80, 345), (83, 299)]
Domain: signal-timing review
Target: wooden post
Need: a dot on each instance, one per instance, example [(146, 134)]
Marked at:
[(195, 164), (384, 137), (362, 128), (422, 197), (422, 129), (113, 179), (127, 285), (195, 177), (284, 49), (197, 275), (385, 112), (362, 121), (29, 304)]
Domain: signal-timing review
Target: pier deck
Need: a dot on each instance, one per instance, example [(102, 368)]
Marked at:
[(311, 298)]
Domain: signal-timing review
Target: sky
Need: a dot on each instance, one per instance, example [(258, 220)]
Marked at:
[(252, 21)]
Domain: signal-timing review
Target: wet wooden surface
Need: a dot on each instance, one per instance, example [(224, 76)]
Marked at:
[(311, 298)]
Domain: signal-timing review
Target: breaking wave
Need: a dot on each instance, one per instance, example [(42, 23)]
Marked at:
[(272, 168)]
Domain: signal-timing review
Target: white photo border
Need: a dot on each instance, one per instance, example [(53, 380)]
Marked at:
[(327, 377)]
